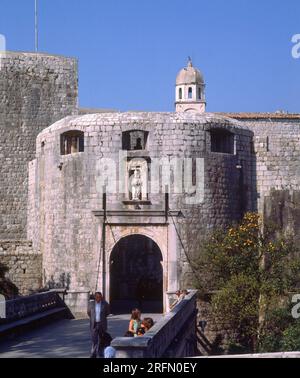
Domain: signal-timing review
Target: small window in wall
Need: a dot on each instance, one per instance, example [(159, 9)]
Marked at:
[(180, 93), (199, 93), (134, 140), (222, 141), (190, 93), (72, 142)]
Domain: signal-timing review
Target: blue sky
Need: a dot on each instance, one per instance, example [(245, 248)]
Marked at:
[(130, 51)]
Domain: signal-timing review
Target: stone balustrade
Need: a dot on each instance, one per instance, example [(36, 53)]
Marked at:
[(24, 307), (173, 336)]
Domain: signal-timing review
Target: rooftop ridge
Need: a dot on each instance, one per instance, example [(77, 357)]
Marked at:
[(259, 115)]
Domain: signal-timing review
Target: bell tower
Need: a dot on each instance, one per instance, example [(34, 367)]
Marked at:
[(190, 90)]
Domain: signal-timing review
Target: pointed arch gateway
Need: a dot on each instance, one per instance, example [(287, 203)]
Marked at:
[(136, 275)]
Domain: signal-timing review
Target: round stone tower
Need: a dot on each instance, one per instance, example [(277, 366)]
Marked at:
[(120, 202), (190, 90)]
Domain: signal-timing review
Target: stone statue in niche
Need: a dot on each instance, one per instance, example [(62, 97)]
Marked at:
[(138, 145), (137, 140), (136, 186)]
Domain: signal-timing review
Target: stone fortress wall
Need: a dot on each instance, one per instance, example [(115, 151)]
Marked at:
[(277, 156), (277, 152), (23, 263), (35, 91), (63, 193)]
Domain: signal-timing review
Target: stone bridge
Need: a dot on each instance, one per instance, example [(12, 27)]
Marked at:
[(43, 326)]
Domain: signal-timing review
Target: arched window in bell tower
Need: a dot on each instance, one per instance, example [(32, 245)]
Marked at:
[(180, 93), (190, 93), (199, 93)]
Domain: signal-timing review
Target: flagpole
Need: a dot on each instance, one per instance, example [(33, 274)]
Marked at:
[(36, 26)]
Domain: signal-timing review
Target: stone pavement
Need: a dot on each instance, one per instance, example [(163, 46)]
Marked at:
[(63, 339)]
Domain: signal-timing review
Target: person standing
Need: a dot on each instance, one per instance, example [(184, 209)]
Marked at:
[(98, 312)]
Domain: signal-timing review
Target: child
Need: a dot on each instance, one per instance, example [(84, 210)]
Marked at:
[(135, 322), (147, 324)]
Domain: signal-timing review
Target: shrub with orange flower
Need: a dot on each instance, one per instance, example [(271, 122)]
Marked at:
[(242, 265)]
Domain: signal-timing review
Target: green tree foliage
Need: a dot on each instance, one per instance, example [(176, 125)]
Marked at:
[(250, 272), (281, 332), (291, 338)]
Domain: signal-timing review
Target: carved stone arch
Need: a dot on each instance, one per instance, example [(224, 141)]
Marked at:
[(156, 236)]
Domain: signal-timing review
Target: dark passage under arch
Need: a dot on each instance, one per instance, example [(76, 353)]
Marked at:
[(136, 275)]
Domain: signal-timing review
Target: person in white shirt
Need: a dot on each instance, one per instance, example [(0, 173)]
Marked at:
[(98, 312)]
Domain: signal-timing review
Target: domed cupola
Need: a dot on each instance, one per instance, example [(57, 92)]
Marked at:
[(190, 90)]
